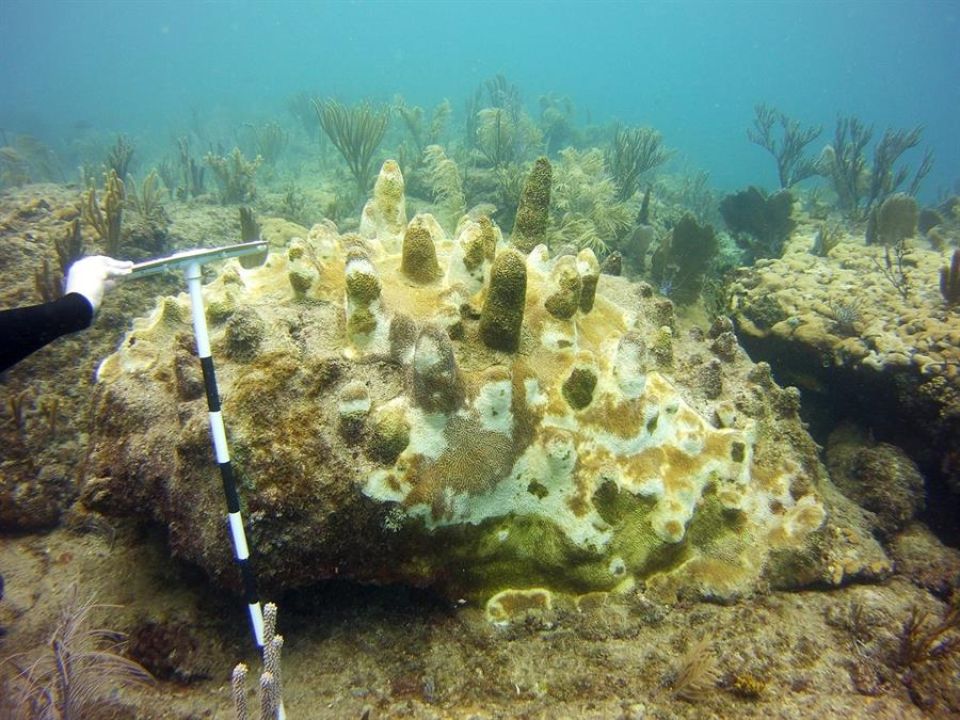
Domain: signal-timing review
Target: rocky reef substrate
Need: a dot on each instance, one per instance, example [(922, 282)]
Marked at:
[(868, 338)]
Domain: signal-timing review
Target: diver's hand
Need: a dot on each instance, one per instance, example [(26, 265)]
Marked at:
[(94, 275)]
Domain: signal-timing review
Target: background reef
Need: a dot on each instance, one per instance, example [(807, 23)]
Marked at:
[(533, 415)]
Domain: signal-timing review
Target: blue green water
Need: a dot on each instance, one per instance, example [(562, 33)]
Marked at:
[(692, 69)]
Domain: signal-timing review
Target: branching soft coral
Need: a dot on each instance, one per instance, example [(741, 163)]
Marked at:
[(923, 639), (74, 674), (633, 152), (235, 176), (105, 215), (357, 133), (861, 188), (414, 119), (446, 184), (584, 206), (788, 149), (503, 137)]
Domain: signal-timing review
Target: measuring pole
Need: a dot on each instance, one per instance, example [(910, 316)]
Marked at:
[(222, 450), (192, 261)]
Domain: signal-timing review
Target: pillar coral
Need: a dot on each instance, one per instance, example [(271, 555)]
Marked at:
[(472, 455)]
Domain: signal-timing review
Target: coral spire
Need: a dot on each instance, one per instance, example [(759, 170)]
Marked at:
[(502, 314)]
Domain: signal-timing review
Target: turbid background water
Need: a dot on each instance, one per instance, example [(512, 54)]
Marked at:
[(693, 69)]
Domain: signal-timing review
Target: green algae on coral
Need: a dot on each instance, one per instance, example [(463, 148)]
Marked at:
[(437, 385), (578, 387), (564, 302), (389, 434), (419, 256), (502, 315), (589, 269), (530, 228)]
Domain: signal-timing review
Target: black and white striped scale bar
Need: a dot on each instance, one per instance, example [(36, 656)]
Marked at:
[(192, 261), (218, 432)]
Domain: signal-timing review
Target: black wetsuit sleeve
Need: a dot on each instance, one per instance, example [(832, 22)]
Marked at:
[(25, 330)]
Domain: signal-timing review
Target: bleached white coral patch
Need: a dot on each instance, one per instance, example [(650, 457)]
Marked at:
[(493, 406)]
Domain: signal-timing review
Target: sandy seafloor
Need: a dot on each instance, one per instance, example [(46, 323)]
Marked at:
[(388, 653), (354, 652)]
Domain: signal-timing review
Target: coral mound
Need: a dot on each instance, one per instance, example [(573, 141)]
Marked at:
[(406, 406), (878, 340)]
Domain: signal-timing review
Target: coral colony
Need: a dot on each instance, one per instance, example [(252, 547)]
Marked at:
[(500, 421)]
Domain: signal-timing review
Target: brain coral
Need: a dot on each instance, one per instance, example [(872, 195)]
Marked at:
[(475, 424)]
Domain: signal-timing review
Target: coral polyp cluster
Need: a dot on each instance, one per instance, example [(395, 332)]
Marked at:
[(447, 411)]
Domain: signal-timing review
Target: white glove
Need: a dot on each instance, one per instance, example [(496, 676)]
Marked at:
[(94, 275)]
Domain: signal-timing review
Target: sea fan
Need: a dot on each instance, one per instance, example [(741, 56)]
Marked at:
[(76, 669)]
